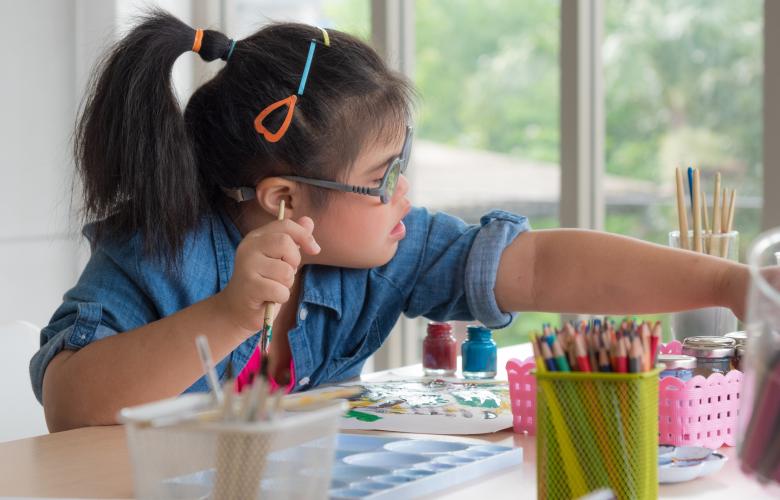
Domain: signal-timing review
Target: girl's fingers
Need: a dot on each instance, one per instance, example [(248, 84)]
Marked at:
[(274, 269), (306, 223), (268, 290), (301, 234)]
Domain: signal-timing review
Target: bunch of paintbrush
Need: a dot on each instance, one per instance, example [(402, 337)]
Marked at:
[(256, 402), (241, 451), (597, 346), (706, 238)]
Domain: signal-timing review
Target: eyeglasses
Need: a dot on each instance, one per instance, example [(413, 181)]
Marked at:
[(386, 189)]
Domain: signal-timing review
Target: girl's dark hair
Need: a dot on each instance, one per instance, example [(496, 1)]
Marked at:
[(149, 170)]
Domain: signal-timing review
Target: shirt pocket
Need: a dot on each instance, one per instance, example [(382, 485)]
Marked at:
[(356, 349)]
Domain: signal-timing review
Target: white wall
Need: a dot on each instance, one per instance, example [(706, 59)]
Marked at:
[(38, 253), (50, 49)]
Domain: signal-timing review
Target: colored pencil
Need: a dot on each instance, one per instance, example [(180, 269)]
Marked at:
[(560, 358), (547, 356)]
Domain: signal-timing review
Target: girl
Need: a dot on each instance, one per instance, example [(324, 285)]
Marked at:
[(182, 223)]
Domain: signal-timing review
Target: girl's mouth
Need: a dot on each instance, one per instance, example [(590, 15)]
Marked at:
[(399, 231)]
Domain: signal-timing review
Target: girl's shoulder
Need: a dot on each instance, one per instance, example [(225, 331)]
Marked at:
[(204, 249)]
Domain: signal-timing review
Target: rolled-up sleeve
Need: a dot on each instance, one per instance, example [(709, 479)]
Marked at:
[(498, 230), (71, 330), (106, 300), (447, 268)]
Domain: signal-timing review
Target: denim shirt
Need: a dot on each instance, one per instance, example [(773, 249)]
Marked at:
[(444, 270)]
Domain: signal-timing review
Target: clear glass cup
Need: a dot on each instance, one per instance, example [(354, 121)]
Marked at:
[(708, 321), (758, 430)]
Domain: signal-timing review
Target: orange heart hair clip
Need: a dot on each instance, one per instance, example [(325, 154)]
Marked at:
[(198, 40), (291, 100)]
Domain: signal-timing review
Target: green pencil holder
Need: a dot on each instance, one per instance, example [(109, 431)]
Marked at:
[(597, 430)]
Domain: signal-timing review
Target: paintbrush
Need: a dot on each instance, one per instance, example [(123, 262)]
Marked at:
[(301, 402), (202, 343), (265, 335)]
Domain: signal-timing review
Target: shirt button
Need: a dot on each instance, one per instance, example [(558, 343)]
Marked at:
[(303, 314), (304, 381)]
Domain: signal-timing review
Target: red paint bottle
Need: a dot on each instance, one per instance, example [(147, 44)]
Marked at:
[(440, 351)]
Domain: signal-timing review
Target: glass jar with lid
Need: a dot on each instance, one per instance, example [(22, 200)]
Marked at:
[(677, 365), (740, 338), (440, 350), (478, 353), (713, 354)]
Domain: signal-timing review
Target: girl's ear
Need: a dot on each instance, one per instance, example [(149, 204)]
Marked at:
[(272, 190)]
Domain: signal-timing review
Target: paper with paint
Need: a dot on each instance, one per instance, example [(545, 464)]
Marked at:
[(430, 406)]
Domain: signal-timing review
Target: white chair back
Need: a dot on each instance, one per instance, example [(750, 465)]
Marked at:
[(21, 415)]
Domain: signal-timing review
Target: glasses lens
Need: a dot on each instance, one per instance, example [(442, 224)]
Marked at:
[(392, 179)]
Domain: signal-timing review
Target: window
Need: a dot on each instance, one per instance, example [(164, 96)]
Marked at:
[(682, 86), (244, 17), (488, 135)]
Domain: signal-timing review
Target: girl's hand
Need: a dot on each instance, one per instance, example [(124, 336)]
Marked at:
[(267, 260)]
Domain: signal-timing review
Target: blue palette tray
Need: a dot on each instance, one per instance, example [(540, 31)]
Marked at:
[(365, 467), (382, 468)]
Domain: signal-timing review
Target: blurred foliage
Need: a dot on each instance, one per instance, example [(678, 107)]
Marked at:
[(682, 83)]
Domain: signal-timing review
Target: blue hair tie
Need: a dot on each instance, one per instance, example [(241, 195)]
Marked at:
[(230, 50)]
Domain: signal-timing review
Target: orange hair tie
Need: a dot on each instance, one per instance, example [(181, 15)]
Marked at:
[(198, 40)]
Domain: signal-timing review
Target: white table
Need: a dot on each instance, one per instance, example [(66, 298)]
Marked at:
[(93, 463)]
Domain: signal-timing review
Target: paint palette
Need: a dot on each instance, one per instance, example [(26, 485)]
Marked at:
[(367, 467), (379, 467), (677, 464)]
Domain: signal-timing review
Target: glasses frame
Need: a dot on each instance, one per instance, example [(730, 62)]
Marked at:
[(384, 192)]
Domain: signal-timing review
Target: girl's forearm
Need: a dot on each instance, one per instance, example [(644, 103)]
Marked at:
[(580, 271), (89, 386)]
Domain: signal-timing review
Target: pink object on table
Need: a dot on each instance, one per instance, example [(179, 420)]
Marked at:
[(522, 393), (700, 412), (673, 347), (253, 366)]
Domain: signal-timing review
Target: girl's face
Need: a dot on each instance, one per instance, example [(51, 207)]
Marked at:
[(359, 231)]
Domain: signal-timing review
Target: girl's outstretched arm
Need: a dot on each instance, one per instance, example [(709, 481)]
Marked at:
[(581, 271)]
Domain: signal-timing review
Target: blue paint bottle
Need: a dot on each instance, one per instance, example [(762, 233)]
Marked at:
[(479, 353)]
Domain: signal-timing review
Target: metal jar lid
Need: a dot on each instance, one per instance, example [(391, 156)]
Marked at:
[(740, 337), (709, 347), (676, 361)]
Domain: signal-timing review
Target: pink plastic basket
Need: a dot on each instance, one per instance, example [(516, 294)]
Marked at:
[(700, 412), (522, 392)]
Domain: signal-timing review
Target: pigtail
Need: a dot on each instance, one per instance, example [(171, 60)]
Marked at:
[(133, 152)]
